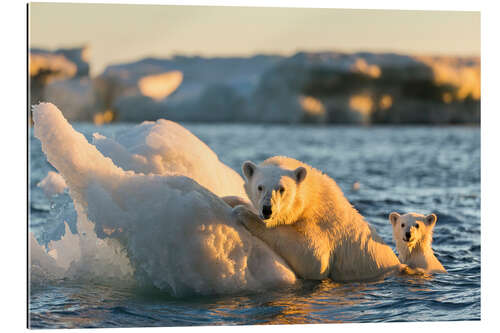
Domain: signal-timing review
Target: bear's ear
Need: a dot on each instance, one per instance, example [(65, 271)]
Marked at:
[(248, 168), (394, 218), (300, 174), (431, 219)]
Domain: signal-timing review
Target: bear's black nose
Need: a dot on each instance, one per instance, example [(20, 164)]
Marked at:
[(266, 211), (408, 235)]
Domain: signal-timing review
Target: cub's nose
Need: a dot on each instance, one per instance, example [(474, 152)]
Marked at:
[(408, 235), (267, 211)]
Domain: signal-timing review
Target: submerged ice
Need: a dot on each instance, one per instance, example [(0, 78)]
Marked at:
[(149, 211)]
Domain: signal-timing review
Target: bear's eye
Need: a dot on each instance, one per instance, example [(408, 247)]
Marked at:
[(402, 225), (281, 189), (259, 188), (416, 226)]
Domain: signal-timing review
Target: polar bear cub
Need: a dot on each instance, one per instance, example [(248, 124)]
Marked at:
[(303, 216), (413, 236)]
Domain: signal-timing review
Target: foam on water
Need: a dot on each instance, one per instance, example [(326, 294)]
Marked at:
[(150, 212)]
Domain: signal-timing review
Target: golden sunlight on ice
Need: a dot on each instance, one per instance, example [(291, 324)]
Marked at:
[(361, 103), (159, 86), (456, 72), (86, 53), (312, 105), (362, 67), (447, 98), (62, 67), (385, 102), (104, 117)]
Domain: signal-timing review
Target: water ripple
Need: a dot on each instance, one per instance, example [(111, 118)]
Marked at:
[(394, 173)]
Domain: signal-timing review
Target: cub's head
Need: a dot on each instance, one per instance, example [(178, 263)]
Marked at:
[(273, 191), (411, 228)]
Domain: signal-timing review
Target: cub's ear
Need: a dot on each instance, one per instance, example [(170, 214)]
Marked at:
[(248, 168), (394, 218), (431, 219), (300, 174)]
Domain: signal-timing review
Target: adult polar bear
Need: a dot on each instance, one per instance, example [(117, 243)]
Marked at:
[(304, 216)]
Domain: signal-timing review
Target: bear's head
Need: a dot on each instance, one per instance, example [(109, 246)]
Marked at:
[(411, 229), (273, 191)]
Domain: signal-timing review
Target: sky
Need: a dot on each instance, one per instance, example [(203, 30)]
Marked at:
[(124, 33)]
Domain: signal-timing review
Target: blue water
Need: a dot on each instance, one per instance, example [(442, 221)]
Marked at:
[(421, 169)]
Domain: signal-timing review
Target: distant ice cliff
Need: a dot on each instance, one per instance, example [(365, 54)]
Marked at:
[(310, 87)]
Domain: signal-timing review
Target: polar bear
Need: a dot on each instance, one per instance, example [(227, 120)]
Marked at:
[(412, 233), (303, 215)]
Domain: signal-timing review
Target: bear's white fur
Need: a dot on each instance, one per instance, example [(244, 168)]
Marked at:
[(303, 215), (413, 236)]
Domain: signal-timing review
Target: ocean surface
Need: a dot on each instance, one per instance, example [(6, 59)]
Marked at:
[(380, 169)]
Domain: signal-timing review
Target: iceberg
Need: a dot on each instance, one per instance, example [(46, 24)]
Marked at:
[(150, 211), (307, 87), (62, 76)]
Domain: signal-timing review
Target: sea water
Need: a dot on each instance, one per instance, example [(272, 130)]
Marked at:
[(380, 169)]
